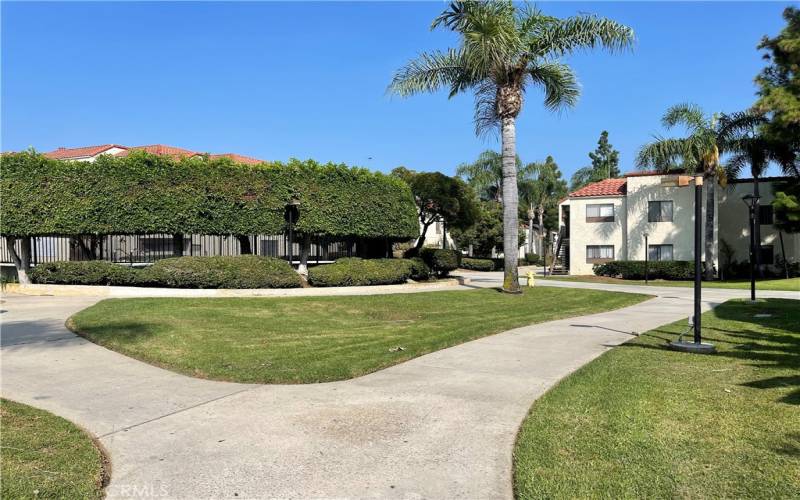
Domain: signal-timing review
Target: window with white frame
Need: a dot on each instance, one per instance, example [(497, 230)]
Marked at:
[(599, 253), (660, 252), (601, 212), (659, 211)]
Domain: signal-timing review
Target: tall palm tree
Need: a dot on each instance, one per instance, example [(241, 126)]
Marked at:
[(698, 153), (748, 146), (503, 50), (542, 189)]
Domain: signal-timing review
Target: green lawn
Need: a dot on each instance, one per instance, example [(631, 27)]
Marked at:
[(314, 339), (791, 284), (645, 422), (45, 456)]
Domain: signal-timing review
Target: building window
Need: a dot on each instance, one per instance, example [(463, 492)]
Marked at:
[(659, 211), (765, 214), (600, 213), (660, 252), (599, 253), (767, 254)]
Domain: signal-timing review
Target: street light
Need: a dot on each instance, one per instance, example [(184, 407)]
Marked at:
[(752, 202), (698, 345), (646, 260)]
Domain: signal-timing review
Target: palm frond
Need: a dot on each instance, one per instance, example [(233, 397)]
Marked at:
[(687, 114), (665, 154), (486, 120), (561, 87), (741, 123), (430, 72), (562, 37)]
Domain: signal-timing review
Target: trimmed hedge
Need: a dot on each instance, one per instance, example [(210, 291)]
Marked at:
[(143, 193), (634, 269), (533, 259), (440, 261), (246, 271), (419, 270), (94, 272), (477, 264), (353, 271)]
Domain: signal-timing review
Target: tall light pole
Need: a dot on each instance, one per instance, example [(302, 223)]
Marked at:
[(646, 260), (698, 345), (752, 202)]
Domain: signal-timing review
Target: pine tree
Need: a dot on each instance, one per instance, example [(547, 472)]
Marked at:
[(605, 164)]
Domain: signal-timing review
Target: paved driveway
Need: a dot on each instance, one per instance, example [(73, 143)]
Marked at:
[(439, 426)]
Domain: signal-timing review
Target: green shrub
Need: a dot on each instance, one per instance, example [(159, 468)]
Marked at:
[(477, 264), (635, 269), (95, 272), (419, 270), (353, 271), (440, 261), (533, 259), (244, 271)]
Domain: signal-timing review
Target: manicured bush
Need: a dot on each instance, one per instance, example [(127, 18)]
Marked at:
[(353, 271), (440, 261), (477, 264), (635, 269), (244, 271), (142, 193), (533, 259), (87, 273), (419, 270)]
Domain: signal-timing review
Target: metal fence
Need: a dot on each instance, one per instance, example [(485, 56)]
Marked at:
[(147, 248)]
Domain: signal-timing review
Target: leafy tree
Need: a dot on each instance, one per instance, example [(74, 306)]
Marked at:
[(541, 193), (439, 198), (779, 87), (605, 164), (486, 234), (698, 152), (503, 50), (786, 207)]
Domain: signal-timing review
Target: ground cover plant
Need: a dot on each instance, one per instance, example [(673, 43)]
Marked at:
[(45, 456), (315, 339), (642, 421)]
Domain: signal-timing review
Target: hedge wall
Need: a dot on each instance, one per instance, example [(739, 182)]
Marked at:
[(144, 193)]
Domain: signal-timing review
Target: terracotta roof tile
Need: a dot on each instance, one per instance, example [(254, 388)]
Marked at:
[(164, 150), (606, 187), (238, 158), (66, 153)]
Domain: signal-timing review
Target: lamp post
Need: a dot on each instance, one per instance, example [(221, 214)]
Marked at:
[(292, 214), (752, 202), (698, 346), (646, 260)]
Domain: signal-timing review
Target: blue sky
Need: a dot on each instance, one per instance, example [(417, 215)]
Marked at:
[(308, 80)]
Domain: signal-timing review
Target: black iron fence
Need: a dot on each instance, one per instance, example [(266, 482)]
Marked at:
[(147, 248)]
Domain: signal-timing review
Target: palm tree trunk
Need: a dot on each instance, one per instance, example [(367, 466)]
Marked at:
[(530, 229), (708, 265), (510, 207), (305, 249), (541, 230)]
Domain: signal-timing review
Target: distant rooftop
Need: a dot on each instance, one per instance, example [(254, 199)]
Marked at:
[(157, 149), (606, 187)]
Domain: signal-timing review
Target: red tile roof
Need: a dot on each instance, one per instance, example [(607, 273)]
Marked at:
[(606, 187), (238, 158), (64, 153), (156, 149)]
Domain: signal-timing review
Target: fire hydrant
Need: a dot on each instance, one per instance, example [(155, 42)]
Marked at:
[(531, 279)]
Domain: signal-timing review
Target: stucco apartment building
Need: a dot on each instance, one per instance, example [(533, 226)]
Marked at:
[(607, 220)]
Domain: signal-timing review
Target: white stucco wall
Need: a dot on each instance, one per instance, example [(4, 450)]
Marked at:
[(680, 232), (734, 223), (584, 233)]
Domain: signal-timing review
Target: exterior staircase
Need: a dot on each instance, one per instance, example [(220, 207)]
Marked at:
[(560, 264)]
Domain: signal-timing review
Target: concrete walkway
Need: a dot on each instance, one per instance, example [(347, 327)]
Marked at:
[(439, 426)]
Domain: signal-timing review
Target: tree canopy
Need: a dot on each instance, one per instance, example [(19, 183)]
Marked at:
[(605, 164)]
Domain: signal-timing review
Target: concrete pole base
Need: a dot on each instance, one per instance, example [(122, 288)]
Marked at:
[(702, 348)]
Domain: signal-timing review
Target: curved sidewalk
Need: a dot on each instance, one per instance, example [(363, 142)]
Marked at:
[(439, 426)]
